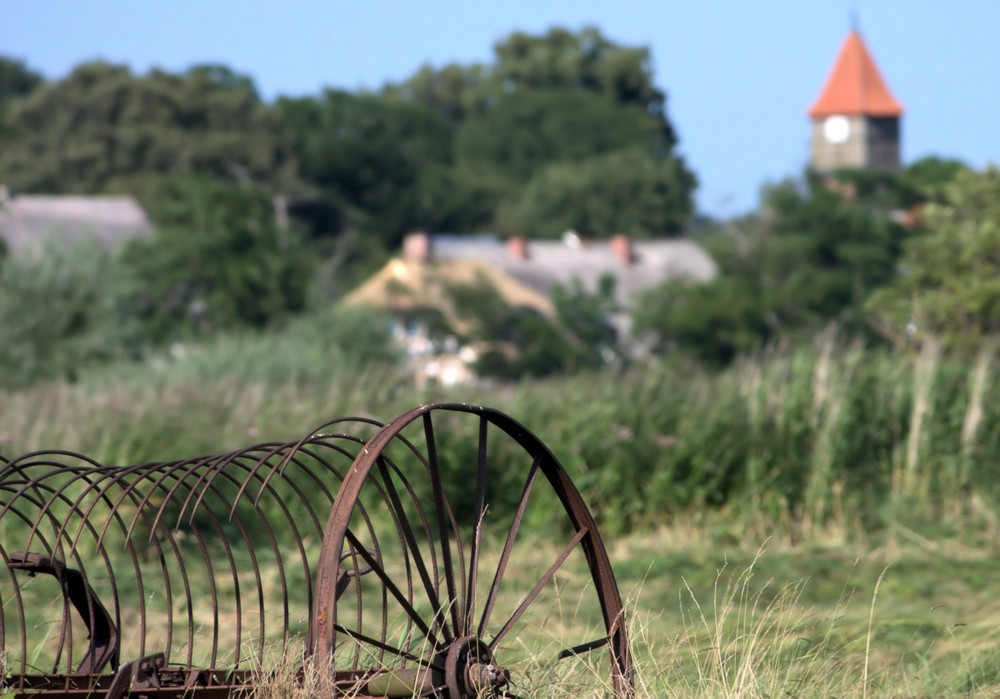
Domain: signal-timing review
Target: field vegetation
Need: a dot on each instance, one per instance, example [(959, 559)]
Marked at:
[(817, 521)]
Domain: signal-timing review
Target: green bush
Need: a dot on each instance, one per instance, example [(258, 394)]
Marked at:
[(58, 311)]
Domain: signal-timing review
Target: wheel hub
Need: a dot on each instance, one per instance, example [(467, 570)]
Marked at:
[(470, 670)]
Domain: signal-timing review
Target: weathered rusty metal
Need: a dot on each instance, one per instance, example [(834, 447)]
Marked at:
[(381, 555)]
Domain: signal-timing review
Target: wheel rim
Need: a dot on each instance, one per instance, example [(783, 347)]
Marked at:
[(448, 591)]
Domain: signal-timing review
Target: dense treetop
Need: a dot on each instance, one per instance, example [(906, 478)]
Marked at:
[(448, 149)]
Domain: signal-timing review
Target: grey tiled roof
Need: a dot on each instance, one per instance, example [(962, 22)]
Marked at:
[(31, 217), (552, 262)]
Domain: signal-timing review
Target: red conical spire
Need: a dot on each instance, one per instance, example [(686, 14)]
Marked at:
[(855, 86)]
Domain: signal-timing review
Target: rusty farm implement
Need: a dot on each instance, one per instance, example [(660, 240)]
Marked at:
[(443, 554)]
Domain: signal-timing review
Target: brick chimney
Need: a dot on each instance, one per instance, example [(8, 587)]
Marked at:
[(621, 248), (417, 247), (517, 247)]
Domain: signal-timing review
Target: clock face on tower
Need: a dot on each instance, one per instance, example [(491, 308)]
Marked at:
[(836, 128)]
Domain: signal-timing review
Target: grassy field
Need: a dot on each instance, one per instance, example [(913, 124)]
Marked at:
[(897, 616), (819, 523), (900, 616)]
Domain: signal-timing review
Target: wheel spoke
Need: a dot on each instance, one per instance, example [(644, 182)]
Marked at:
[(478, 514), (584, 648), (442, 520), (538, 588), (399, 652), (392, 587), (403, 522), (509, 545)]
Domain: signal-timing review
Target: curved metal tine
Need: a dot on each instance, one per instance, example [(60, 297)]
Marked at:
[(254, 473), (317, 438), (311, 450), (45, 514), (43, 460), (220, 496), (152, 472), (22, 467), (22, 629), (217, 464), (58, 494), (236, 461), (479, 512), (110, 477), (57, 469), (132, 481), (57, 567), (441, 511), (209, 569), (96, 495), (98, 489), (509, 545), (275, 550), (19, 602), (526, 602), (189, 467), (132, 493), (336, 421), (136, 497), (291, 448), (128, 478)]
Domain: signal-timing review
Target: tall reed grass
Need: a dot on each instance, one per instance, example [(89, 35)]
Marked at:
[(832, 435)]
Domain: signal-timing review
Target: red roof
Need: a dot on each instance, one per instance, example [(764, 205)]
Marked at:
[(855, 87)]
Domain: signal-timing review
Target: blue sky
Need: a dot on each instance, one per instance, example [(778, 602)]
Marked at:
[(739, 75)]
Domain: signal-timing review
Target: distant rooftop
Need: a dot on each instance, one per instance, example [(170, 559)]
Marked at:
[(636, 265), (28, 218), (855, 86)]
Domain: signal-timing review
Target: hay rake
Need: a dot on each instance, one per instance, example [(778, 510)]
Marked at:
[(445, 553)]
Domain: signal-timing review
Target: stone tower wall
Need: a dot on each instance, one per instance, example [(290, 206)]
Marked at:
[(873, 142)]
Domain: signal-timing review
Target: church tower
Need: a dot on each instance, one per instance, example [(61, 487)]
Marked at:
[(855, 119)]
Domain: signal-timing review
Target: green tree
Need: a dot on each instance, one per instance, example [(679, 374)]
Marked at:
[(551, 99), (812, 255), (924, 178), (950, 281), (16, 80), (524, 131), (714, 322), (216, 261), (384, 160), (625, 191), (451, 92), (893, 192), (587, 60), (104, 129)]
